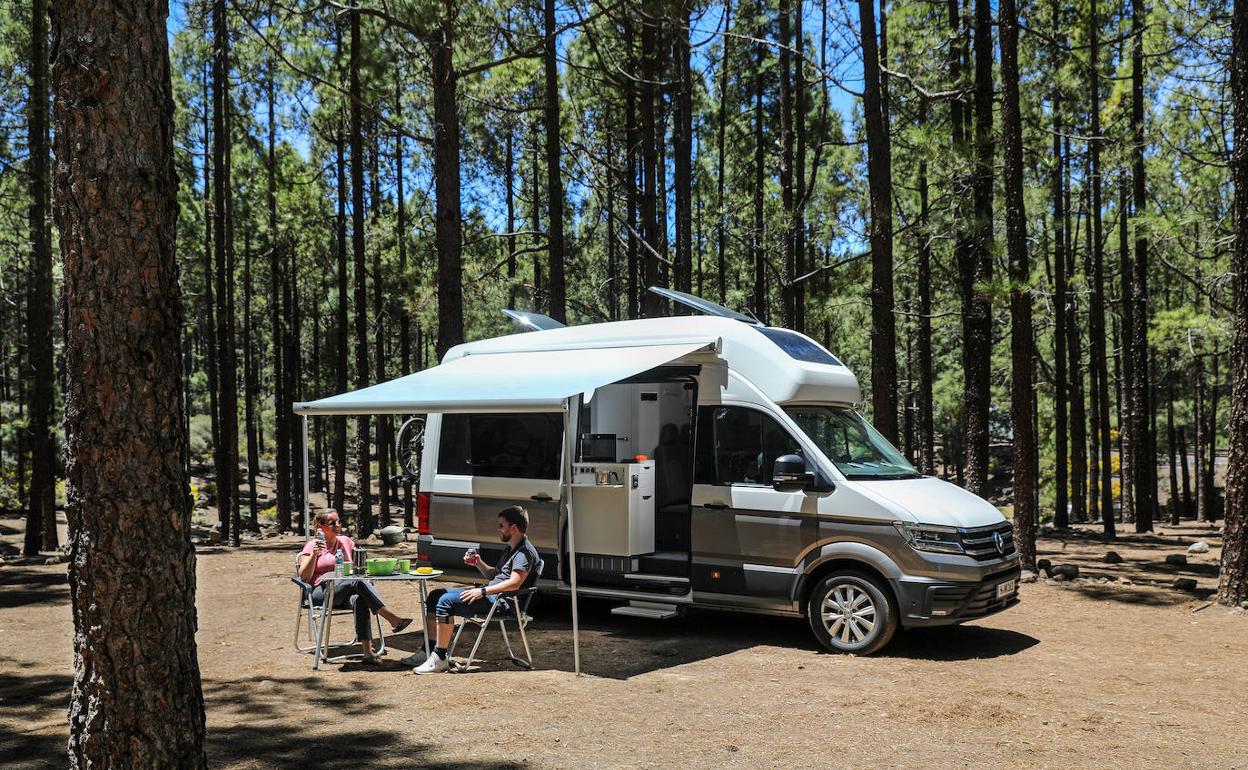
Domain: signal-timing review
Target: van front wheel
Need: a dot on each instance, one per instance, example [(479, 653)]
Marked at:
[(851, 613)]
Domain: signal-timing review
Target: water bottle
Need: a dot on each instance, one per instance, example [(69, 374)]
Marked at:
[(338, 568)]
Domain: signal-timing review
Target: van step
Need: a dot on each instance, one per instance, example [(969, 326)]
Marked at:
[(652, 610)]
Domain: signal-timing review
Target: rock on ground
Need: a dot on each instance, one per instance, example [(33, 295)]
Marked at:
[(1177, 560), (1112, 557), (1185, 584), (1066, 571), (1200, 546)]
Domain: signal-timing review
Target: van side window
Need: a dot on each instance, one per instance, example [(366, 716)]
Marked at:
[(737, 445), (514, 446)]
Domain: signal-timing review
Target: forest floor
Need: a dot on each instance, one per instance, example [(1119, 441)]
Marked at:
[(1115, 669)]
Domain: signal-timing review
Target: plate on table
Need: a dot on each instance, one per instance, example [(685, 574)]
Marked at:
[(434, 573)]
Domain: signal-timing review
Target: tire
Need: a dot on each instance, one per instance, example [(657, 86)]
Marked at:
[(851, 613)]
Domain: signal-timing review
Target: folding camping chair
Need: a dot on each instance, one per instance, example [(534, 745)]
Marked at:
[(517, 609), (314, 615)]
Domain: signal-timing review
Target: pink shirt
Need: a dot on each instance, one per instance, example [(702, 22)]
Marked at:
[(325, 564)]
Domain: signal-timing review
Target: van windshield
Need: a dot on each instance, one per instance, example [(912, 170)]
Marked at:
[(857, 449)]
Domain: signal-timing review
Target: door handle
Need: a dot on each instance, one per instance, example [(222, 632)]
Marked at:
[(541, 498), (716, 506)]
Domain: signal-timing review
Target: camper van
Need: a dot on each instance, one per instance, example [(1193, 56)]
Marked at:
[(734, 472)]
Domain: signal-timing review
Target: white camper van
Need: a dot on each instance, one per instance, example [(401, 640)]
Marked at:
[(721, 465)]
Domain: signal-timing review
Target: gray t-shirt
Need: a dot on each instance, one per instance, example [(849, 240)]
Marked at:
[(522, 558)]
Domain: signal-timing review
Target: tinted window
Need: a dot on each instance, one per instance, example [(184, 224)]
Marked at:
[(799, 347), (515, 446), (737, 445)]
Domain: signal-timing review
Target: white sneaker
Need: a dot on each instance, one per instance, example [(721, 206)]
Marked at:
[(436, 664)]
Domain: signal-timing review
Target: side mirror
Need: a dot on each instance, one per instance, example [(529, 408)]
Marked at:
[(789, 474)]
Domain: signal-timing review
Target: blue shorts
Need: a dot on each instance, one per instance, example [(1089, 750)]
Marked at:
[(446, 603)]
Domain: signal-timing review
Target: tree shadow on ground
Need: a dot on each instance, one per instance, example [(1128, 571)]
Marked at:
[(1207, 570), (250, 724), (263, 732), (1148, 597), (22, 586), (27, 702)]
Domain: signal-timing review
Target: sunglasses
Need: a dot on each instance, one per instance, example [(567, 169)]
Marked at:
[(335, 523)]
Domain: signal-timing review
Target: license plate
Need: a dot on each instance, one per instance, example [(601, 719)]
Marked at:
[(1006, 588)]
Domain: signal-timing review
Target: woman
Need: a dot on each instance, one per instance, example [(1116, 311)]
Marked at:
[(317, 560)]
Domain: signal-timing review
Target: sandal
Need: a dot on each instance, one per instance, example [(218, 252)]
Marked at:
[(402, 624), (370, 660)]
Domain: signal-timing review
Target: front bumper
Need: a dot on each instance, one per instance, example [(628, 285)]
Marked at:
[(945, 603)]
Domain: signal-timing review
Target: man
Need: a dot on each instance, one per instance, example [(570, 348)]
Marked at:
[(518, 560)]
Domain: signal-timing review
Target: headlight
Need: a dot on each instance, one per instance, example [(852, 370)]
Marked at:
[(928, 537)]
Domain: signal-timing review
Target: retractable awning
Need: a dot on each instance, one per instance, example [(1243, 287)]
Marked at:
[(527, 381), (517, 381)]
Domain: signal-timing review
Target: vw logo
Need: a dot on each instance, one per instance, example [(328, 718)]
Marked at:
[(999, 541)]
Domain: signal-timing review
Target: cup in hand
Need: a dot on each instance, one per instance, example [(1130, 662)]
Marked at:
[(471, 556)]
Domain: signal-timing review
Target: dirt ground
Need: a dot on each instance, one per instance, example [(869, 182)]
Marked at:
[(1114, 669)]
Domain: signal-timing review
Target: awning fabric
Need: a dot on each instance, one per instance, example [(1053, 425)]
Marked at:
[(528, 381)]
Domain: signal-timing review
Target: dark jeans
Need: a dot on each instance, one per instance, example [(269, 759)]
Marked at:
[(360, 595)]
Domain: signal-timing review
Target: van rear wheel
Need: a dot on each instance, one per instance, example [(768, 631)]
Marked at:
[(851, 613)]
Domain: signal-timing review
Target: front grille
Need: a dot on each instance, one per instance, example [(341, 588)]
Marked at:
[(974, 600), (980, 543)]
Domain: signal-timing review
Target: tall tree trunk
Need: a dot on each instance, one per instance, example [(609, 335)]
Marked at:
[(278, 321), (1061, 476), (1125, 363), (1145, 467), (721, 243), (788, 268), (758, 252), (209, 295), (535, 213), (1188, 503), (364, 520), (1021, 386), (651, 242), (40, 308), (631, 140), (447, 235), (342, 366), (405, 323), (682, 147), (251, 389), (1098, 361), (1233, 582), (880, 185), (223, 249), (1202, 491), (1078, 406), (798, 290), (554, 179), (613, 233), (293, 369), (1211, 510), (927, 433), (137, 699), (1175, 502), (977, 273)]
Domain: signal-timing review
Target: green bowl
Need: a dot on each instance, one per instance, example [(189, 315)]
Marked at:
[(377, 567)]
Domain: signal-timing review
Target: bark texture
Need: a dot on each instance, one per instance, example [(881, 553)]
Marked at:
[(137, 699), (1021, 385), (879, 182), (1233, 585), (40, 308)]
